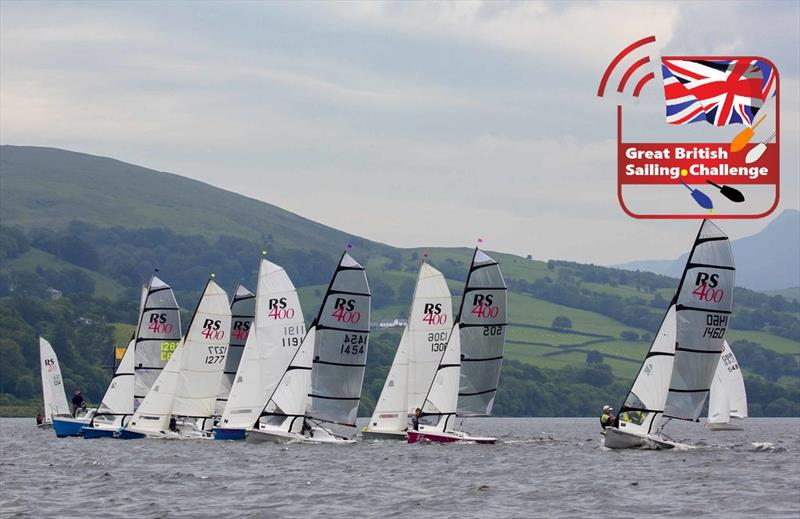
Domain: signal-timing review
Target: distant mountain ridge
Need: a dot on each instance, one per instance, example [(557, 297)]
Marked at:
[(766, 261)]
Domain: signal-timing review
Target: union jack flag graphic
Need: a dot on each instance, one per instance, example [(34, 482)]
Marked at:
[(720, 92)]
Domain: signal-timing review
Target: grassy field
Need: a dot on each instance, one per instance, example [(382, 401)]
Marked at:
[(33, 258)]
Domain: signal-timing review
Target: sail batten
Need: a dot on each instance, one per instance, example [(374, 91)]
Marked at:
[(340, 340), (157, 335), (704, 304), (274, 339), (483, 318)]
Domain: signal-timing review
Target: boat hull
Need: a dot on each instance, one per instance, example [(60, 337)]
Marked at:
[(127, 434), (616, 439), (447, 437), (44, 425), (384, 435), (229, 434), (723, 426), (272, 436), (65, 427), (91, 433)]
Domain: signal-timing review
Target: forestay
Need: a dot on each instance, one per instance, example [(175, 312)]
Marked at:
[(273, 340), (157, 336), (55, 397), (340, 346), (704, 304), (643, 408), (442, 398), (728, 398), (205, 348), (243, 309), (483, 322), (418, 354)]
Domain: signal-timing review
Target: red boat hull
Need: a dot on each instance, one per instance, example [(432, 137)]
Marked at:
[(419, 436)]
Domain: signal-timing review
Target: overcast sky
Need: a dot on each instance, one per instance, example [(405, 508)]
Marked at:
[(410, 123)]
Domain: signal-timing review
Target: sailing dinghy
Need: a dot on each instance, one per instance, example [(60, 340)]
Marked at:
[(416, 359), (273, 341), (323, 382), (727, 401), (53, 393), (677, 372), (181, 402), (441, 401)]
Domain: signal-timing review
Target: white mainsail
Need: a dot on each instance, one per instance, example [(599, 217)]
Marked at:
[(703, 309), (418, 354), (728, 398), (157, 336), (643, 408), (442, 397), (55, 397), (340, 345), (483, 322), (243, 310), (272, 342), (205, 348)]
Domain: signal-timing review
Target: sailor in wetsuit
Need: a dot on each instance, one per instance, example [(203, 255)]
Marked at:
[(607, 419), (415, 419)]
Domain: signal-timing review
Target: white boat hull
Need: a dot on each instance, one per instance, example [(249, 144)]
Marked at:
[(616, 439), (272, 436), (724, 426), (383, 435)]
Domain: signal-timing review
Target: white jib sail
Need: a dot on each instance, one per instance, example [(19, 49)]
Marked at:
[(727, 398), (704, 305), (391, 410), (118, 399), (153, 414), (205, 348), (243, 309), (286, 408), (442, 398), (157, 336), (273, 341), (55, 397), (644, 406)]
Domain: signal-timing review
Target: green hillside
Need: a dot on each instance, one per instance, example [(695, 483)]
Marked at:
[(94, 228)]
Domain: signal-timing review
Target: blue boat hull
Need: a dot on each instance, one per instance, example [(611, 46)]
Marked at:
[(90, 433), (64, 427), (125, 434), (228, 434)]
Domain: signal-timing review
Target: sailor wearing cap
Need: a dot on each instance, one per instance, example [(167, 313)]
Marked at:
[(607, 418)]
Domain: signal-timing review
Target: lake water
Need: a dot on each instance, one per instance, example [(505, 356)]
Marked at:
[(543, 467)]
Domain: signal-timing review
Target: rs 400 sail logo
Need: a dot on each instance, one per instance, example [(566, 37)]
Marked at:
[(714, 148)]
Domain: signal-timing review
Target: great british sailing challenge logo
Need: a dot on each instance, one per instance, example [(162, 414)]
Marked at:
[(717, 150)]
